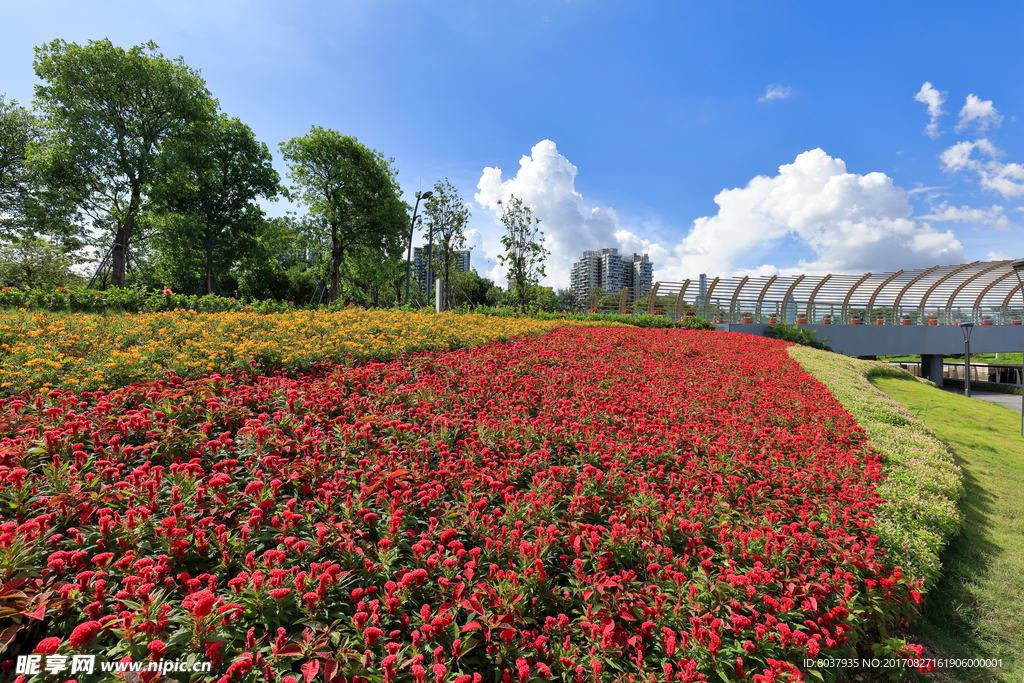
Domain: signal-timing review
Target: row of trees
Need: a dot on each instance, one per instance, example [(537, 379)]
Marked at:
[(127, 152)]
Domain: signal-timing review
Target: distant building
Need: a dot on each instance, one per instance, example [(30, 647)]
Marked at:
[(606, 269), (421, 255)]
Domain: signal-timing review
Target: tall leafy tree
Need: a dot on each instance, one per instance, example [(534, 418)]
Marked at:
[(212, 181), (18, 130), (448, 214), (524, 250), (109, 112), (352, 189)]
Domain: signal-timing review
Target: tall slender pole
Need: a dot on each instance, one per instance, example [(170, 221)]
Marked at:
[(966, 329), (967, 368), (430, 261), (412, 228)]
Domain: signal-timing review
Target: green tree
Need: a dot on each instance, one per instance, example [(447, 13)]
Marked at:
[(108, 113), (566, 300), (524, 253), (284, 262), (212, 182), (18, 130), (543, 298), (446, 211), (35, 262), (471, 289), (351, 189)]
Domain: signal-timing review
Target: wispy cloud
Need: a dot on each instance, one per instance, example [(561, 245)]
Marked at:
[(980, 112), (992, 216), (776, 91), (934, 99), (1006, 179)]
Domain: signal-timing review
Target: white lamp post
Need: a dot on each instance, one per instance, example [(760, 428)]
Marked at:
[(966, 329)]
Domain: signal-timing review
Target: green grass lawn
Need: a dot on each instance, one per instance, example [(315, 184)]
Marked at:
[(977, 608)]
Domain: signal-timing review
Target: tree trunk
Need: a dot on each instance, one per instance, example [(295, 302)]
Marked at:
[(209, 269), (119, 257), (447, 280), (336, 254)]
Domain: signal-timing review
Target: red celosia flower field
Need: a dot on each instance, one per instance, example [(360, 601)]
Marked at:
[(581, 506)]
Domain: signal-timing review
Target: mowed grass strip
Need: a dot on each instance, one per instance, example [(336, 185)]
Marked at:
[(976, 609)]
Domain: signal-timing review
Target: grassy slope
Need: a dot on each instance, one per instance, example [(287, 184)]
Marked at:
[(977, 607)]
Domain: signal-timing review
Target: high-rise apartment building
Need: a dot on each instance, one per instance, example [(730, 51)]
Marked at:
[(421, 255), (607, 269)]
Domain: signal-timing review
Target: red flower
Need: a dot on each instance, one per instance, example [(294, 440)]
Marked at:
[(199, 604), (83, 633), (157, 649), (168, 292), (47, 646)]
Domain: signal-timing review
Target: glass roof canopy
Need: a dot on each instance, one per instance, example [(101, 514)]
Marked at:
[(977, 286)]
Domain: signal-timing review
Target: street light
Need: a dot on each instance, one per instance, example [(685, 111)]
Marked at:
[(412, 227), (966, 329), (1018, 267)]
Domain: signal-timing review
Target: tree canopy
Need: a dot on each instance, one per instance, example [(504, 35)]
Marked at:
[(524, 252), (448, 215), (108, 114), (211, 183), (18, 130), (352, 189)]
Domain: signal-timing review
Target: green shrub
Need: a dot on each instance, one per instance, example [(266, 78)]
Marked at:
[(797, 335)]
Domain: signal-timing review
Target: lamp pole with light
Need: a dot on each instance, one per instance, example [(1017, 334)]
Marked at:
[(412, 228), (966, 329), (1018, 268)]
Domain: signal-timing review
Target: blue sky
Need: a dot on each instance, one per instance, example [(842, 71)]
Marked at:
[(724, 137)]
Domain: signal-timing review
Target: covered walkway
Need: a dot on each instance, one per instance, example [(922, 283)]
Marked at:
[(983, 292)]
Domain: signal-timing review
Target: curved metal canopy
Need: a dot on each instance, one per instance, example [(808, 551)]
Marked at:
[(978, 285)]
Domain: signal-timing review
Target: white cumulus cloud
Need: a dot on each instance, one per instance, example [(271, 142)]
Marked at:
[(545, 181), (993, 216), (934, 99), (775, 91), (980, 112), (1006, 179), (853, 223)]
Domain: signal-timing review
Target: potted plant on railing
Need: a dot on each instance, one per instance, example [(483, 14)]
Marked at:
[(748, 318), (987, 320), (1015, 320), (880, 319), (826, 319), (773, 319), (855, 319), (906, 319), (933, 320), (719, 317), (801, 318), (658, 311)]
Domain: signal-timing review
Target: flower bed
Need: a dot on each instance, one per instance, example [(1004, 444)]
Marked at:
[(922, 483), (91, 352), (582, 505)]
